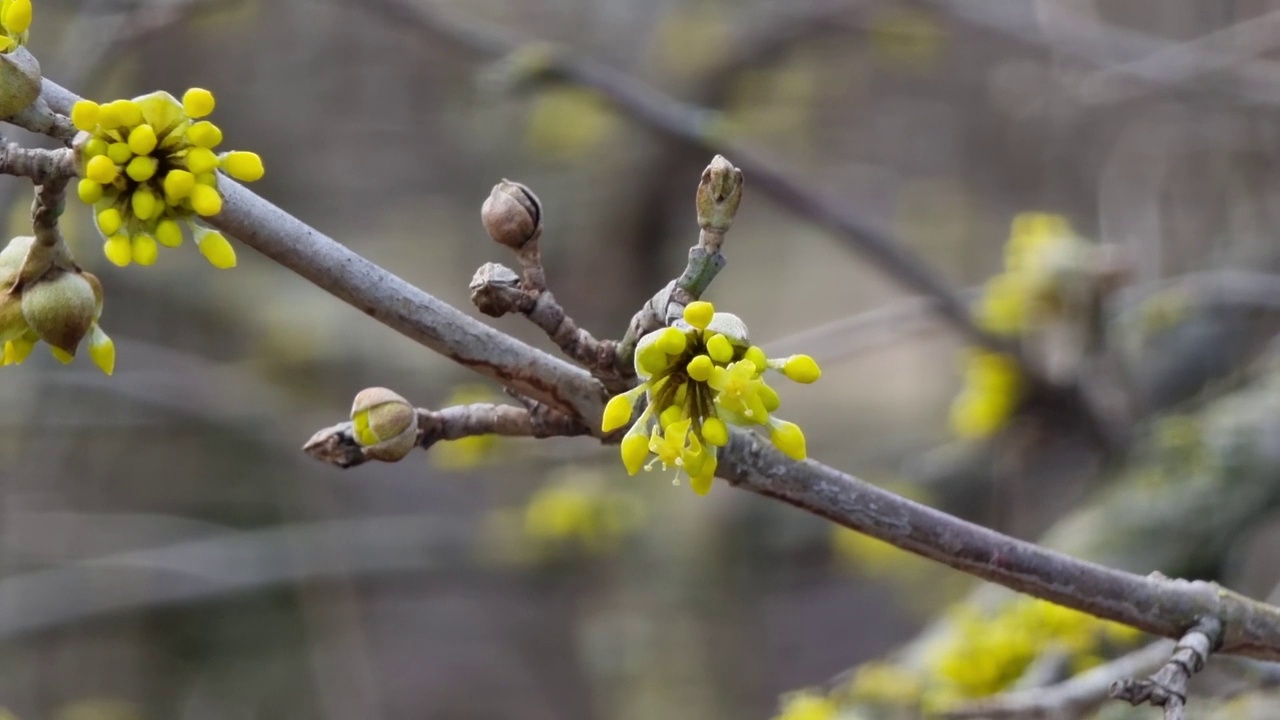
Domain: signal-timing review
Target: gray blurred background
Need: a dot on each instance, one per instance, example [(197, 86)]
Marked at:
[(168, 551)]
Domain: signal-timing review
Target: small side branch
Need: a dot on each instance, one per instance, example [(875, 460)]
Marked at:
[(1167, 688), (513, 217), (497, 290), (43, 167), (337, 445), (1068, 699)]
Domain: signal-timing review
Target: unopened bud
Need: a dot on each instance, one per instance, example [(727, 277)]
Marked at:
[(59, 308), (719, 193), (384, 424), (512, 214)]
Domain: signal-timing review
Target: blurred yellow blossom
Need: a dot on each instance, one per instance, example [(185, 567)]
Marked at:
[(1012, 303), (806, 705), (981, 654), (472, 451)]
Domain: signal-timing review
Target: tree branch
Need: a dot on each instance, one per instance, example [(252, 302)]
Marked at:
[(337, 445), (1156, 605), (1071, 698), (1167, 688)]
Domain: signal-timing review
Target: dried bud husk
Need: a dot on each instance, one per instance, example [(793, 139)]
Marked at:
[(59, 308), (96, 284), (12, 324), (385, 424), (19, 81), (11, 258), (512, 215)]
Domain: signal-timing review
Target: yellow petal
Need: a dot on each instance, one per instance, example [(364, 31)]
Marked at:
[(102, 350)]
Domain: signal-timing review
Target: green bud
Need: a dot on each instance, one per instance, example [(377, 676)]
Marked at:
[(512, 214), (19, 81), (59, 308), (384, 424)]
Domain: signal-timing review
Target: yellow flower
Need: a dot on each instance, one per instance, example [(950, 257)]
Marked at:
[(150, 171), (699, 377)]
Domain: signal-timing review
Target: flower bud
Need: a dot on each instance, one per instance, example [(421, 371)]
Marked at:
[(719, 193), (512, 214), (59, 308), (19, 81), (384, 424)]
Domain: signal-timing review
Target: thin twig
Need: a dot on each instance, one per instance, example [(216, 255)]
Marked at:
[(1069, 699), (337, 445), (1167, 688)]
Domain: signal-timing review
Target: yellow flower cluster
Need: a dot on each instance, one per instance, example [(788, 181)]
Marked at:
[(15, 19), (58, 306), (983, 655), (149, 168), (1011, 302), (699, 378)]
